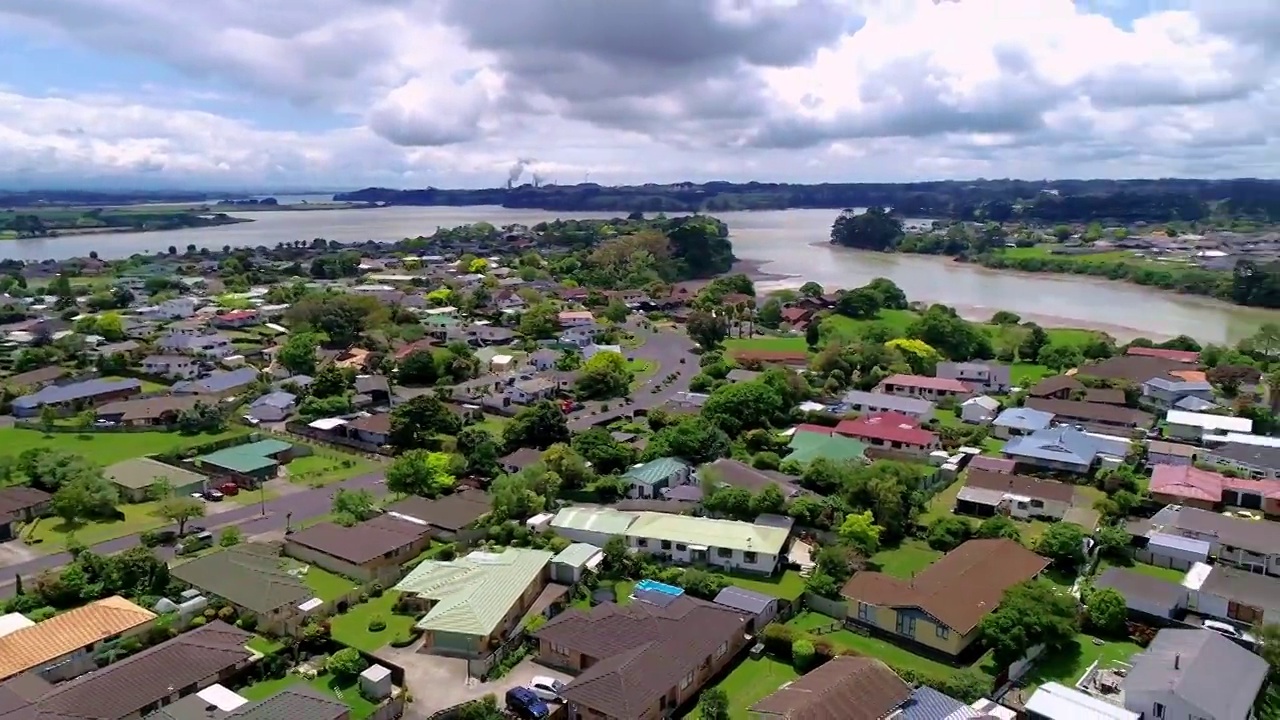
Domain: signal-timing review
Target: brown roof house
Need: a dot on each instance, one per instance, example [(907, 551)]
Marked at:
[(149, 411), (20, 504), (64, 646), (448, 517), (255, 579), (1058, 387), (940, 607), (844, 688), (1106, 417), (987, 493), (372, 550), (642, 660)]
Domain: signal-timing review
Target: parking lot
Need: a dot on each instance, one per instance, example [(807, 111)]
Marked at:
[(439, 682)]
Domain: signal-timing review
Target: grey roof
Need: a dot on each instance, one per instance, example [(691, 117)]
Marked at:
[(299, 380), (1201, 667), (298, 702), (1023, 418), (744, 600), (1135, 585), (55, 394), (219, 381), (372, 383), (1257, 455), (1185, 386), (1058, 444), (908, 405), (1192, 403), (1243, 587), (280, 400), (929, 704)]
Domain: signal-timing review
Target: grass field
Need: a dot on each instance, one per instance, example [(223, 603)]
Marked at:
[(1068, 664), (326, 585), (352, 627), (874, 647), (106, 448), (749, 683), (326, 466), (1045, 252), (788, 586), (53, 534), (906, 560)]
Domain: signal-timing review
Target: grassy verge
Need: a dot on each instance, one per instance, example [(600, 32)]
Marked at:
[(53, 534)]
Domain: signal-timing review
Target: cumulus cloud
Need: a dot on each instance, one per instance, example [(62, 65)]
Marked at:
[(448, 92)]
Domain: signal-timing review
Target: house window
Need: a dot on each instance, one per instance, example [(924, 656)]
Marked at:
[(720, 651), (1157, 711), (864, 611), (687, 681), (906, 624), (942, 631), (558, 649), (642, 542), (748, 557), (724, 552), (681, 547), (666, 544)]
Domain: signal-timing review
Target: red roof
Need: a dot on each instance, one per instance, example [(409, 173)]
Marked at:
[(1183, 356), (1185, 481), (413, 347), (237, 315), (925, 382), (792, 314), (887, 427)]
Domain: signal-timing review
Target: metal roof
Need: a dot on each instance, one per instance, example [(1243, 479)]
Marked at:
[(744, 600), (747, 537), (473, 594), (577, 554)]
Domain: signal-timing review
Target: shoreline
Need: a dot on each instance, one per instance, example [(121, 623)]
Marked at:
[(752, 269)]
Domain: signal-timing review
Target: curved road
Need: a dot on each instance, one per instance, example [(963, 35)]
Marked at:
[(665, 348)]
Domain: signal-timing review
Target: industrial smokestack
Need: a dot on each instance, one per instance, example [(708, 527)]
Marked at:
[(537, 180), (517, 169)]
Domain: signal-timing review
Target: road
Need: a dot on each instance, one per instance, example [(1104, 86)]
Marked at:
[(250, 520), (667, 349)]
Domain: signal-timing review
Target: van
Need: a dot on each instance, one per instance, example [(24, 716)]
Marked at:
[(526, 704), (196, 542)]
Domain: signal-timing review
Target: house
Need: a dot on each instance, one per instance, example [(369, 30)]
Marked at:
[(730, 544), (273, 407), (1018, 496), (942, 605), (1105, 396), (527, 392), (789, 358), (797, 317), (250, 577), (651, 480), (1132, 369), (922, 386), (294, 701), (20, 504), (35, 379), (570, 565), (736, 473), (1248, 544), (514, 462), (475, 603), (810, 442), (890, 431), (576, 318), (591, 525), (642, 660), (845, 687), (220, 384), (543, 359), (213, 347), (70, 397), (1193, 426), (138, 684), (1256, 461), (235, 319), (448, 517), (981, 376), (1062, 449), (377, 387), (247, 464), (1160, 452), (991, 464), (1192, 487), (371, 550), (580, 335), (979, 410), (759, 609), (1187, 357), (135, 477), (1194, 674), (860, 401), (178, 367), (1146, 596), (374, 429), (1098, 415), (1055, 701), (1165, 393), (1231, 594), (177, 308), (1020, 421), (162, 410), (65, 645), (1058, 387)]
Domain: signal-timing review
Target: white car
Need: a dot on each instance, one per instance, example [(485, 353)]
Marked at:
[(546, 688), (1222, 627)]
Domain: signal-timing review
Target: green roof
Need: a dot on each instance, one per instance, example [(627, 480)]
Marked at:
[(806, 446), (248, 575), (594, 519), (473, 594), (246, 458), (655, 471), (690, 530), (141, 473), (576, 555)]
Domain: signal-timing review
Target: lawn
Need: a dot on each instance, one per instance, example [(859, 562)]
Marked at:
[(264, 645), (873, 647), (346, 691), (324, 466), (749, 683), (942, 503), (352, 627), (494, 424), (1166, 574), (1025, 375), (641, 370), (768, 344), (52, 534), (906, 560), (326, 585), (148, 386), (1070, 663), (788, 586), (838, 327), (105, 448)]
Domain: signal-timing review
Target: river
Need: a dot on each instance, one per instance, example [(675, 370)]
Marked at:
[(785, 242)]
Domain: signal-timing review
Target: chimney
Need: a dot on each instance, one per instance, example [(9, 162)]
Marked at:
[(1177, 661)]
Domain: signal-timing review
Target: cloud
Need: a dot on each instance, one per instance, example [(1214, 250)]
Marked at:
[(449, 92)]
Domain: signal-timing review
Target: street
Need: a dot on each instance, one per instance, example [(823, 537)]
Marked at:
[(667, 349)]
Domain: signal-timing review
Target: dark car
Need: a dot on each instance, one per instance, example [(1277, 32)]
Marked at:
[(526, 704), (213, 495)]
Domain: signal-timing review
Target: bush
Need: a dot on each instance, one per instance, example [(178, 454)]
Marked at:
[(227, 614), (377, 624), (364, 597), (247, 622), (41, 614), (149, 538), (802, 654), (198, 621), (404, 641), (376, 590), (777, 640), (210, 613), (346, 662), (766, 461)]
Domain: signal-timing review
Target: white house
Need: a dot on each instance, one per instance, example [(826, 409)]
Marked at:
[(576, 318), (172, 309), (580, 335), (1192, 426), (210, 346), (984, 377), (178, 367), (979, 410), (1196, 674), (530, 391), (730, 544)]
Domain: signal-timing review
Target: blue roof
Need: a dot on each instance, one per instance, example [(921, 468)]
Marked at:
[(744, 600), (929, 704), (1194, 404), (1060, 444), (219, 381), (276, 399), (1024, 418), (71, 392)]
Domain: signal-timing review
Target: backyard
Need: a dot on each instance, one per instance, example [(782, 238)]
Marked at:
[(749, 683), (352, 627), (906, 560), (326, 585), (1167, 574), (106, 448), (891, 654), (787, 586), (346, 691), (324, 466), (1068, 664)]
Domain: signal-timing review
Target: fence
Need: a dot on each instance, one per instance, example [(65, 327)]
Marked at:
[(479, 668), (826, 606), (92, 430), (338, 441)]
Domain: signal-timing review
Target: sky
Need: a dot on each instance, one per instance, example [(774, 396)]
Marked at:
[(336, 94)]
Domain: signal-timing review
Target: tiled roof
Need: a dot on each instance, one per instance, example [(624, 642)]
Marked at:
[(1090, 412), (61, 634), (744, 536), (473, 594), (959, 589), (1186, 481), (448, 512), (54, 394), (148, 408), (1021, 485), (1054, 384), (655, 471), (924, 382), (1182, 356), (1136, 369), (887, 427), (844, 688), (245, 575), (142, 472), (362, 542), (379, 423), (15, 499), (1146, 590)]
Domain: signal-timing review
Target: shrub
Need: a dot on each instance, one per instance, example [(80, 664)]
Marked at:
[(404, 641), (364, 597), (210, 613), (346, 662), (149, 538), (198, 620), (766, 461), (227, 614), (377, 624), (247, 622), (376, 590), (41, 614), (533, 624), (777, 640), (802, 654)]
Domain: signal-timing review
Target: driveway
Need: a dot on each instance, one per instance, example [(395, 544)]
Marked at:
[(440, 682), (666, 348)]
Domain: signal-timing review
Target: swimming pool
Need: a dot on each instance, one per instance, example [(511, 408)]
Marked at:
[(658, 587)]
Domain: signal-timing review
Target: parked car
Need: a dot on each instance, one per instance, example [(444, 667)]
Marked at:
[(196, 543), (1224, 628), (229, 489), (213, 495), (526, 705), (546, 688)]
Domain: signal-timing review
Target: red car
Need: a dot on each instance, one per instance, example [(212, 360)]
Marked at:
[(229, 488)]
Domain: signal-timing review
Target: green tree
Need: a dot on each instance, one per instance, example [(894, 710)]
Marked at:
[(230, 536), (861, 532), (812, 334), (416, 423), (948, 533), (180, 509), (1060, 357), (572, 468), (478, 447), (1035, 339), (521, 495), (707, 329), (606, 455), (859, 304), (85, 497), (540, 426), (616, 312), (298, 354), (743, 406), (353, 506), (48, 418), (347, 662), (770, 314), (539, 322), (1107, 611), (811, 290), (1030, 614), (713, 704), (1269, 646), (874, 229), (693, 438), (1063, 543), (604, 376), (769, 501), (420, 472), (999, 526), (331, 381)]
